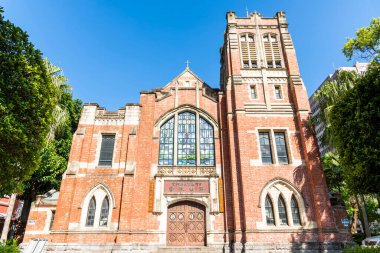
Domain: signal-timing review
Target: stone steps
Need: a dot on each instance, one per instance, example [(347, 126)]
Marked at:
[(192, 249)]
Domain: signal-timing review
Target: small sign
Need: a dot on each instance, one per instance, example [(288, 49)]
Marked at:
[(186, 187), (151, 195), (31, 222), (221, 195), (345, 222)]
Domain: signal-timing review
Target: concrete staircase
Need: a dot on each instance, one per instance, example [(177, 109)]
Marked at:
[(192, 249)]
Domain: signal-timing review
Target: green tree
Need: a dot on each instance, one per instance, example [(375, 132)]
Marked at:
[(354, 120), (366, 44), (27, 98), (55, 154)]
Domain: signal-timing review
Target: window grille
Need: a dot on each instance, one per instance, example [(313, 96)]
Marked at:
[(248, 51), (266, 152), (206, 145), (186, 139), (282, 154), (295, 211), (282, 211), (106, 150), (269, 211), (166, 153), (91, 212), (272, 51), (104, 212)]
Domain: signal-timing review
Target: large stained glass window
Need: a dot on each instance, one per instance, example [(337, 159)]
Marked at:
[(186, 139), (166, 153), (206, 143), (192, 135)]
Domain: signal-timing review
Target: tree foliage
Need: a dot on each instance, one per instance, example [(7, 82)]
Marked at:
[(366, 44), (355, 122), (27, 99), (55, 154)]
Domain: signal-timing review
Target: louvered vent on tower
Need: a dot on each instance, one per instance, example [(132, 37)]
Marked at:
[(272, 51), (248, 51)]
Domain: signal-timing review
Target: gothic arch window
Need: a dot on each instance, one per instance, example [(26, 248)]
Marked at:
[(91, 212), (272, 51), (269, 211), (282, 206), (248, 51), (295, 211), (186, 139), (282, 211), (96, 208)]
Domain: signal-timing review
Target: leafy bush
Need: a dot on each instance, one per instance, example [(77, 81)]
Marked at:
[(358, 238), (9, 247), (358, 249)]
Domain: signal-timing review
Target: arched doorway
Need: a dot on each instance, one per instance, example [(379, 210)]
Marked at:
[(186, 224)]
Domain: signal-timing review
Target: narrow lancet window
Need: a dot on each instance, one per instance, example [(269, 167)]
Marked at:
[(269, 211), (91, 212), (166, 153), (186, 139), (295, 211), (282, 211), (103, 221), (206, 143)]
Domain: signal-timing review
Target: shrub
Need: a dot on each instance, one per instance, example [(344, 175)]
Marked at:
[(9, 246), (358, 238), (358, 249)]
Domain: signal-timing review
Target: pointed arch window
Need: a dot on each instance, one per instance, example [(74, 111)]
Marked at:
[(295, 211), (103, 221), (282, 211), (91, 212), (248, 51), (186, 139), (269, 211)]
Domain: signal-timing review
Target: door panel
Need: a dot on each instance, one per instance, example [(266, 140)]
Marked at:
[(186, 224)]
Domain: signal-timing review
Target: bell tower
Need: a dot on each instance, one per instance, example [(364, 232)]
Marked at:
[(265, 110)]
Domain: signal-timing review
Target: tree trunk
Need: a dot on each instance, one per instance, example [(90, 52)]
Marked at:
[(354, 218), (365, 217), (7, 223)]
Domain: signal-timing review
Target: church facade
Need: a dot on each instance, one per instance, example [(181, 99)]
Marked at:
[(195, 168)]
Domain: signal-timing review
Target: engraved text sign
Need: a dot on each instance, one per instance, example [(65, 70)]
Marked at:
[(186, 187)]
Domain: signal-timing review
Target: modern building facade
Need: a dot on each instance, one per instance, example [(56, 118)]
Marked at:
[(194, 168), (359, 68)]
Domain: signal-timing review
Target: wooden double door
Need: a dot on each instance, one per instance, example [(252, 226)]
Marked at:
[(186, 224)]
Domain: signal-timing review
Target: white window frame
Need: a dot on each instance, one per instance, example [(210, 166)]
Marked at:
[(274, 189), (99, 192)]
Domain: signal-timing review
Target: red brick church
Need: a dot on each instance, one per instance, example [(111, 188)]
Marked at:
[(198, 169)]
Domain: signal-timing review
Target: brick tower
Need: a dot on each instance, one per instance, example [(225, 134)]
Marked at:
[(197, 169)]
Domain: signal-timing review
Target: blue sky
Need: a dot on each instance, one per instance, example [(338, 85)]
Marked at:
[(111, 50)]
